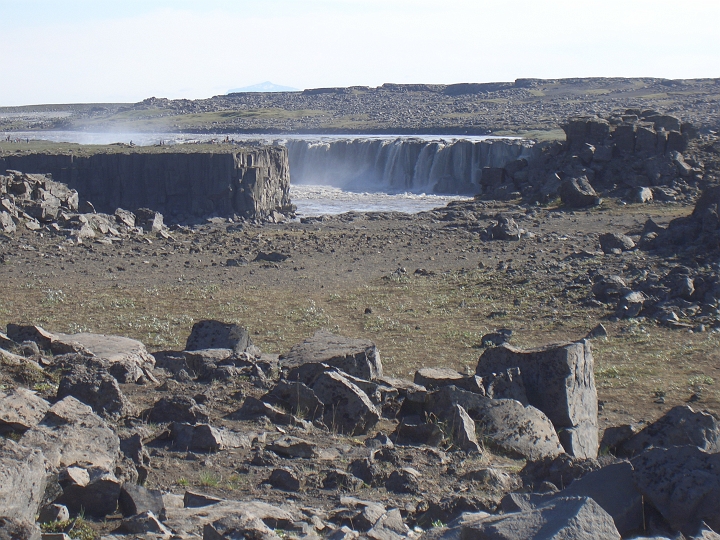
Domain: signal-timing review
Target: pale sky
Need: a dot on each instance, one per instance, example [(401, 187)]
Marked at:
[(63, 51)]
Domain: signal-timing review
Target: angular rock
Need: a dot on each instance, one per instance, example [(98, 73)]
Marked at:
[(463, 431), (97, 389), (136, 499), (124, 217), (252, 408), (507, 384), (609, 288), (177, 409), (682, 483), (389, 527), (559, 381), (205, 438), (21, 409), (149, 220), (357, 357), (348, 409), (70, 432), (53, 512), (403, 480), (505, 423), (680, 426), (578, 193), (12, 528), (337, 479), (95, 492), (211, 334), (292, 447), (560, 518), (630, 305), (284, 479), (505, 228), (22, 480), (609, 242), (433, 378), (417, 434), (238, 526), (296, 397), (144, 523)]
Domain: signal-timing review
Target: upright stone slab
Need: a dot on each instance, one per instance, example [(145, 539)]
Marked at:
[(559, 380)]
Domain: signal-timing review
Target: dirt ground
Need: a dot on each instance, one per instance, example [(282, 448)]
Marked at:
[(357, 275)]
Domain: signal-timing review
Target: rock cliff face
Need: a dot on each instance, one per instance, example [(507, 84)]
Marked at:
[(414, 165), (249, 182)]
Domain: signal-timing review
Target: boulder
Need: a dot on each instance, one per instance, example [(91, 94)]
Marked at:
[(7, 224), (578, 193), (463, 431), (609, 288), (630, 305), (559, 471), (125, 217), (614, 242), (92, 490), (134, 499), (12, 528), (292, 447), (205, 438), (112, 349), (53, 512), (642, 195), (357, 357), (70, 432), (22, 480), (682, 483), (177, 409), (211, 334), (348, 409), (417, 434), (284, 479), (297, 398), (238, 526), (149, 220), (504, 423), (505, 228), (560, 518), (20, 409), (96, 388), (680, 426), (144, 523), (405, 480), (559, 381)]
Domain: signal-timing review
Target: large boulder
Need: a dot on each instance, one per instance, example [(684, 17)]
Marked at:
[(211, 334), (96, 388), (578, 193), (680, 426), (683, 483), (348, 409), (22, 480), (21, 409), (562, 518), (357, 357), (70, 433), (505, 423), (559, 380)]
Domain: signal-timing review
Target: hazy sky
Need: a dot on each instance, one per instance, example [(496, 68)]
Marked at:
[(58, 51)]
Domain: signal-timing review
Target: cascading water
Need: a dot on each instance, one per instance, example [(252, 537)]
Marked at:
[(399, 165)]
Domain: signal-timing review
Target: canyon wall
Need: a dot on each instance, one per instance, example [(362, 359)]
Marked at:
[(399, 165), (180, 183)]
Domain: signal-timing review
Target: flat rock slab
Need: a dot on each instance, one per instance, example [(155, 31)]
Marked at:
[(193, 520), (22, 480), (109, 348), (21, 409), (70, 432), (559, 380), (563, 518), (205, 438), (357, 357)]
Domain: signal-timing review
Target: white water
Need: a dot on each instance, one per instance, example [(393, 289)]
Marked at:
[(327, 200)]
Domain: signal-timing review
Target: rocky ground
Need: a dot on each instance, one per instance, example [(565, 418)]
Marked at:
[(527, 105), (375, 374)]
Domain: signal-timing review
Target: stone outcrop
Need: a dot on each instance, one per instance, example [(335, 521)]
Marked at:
[(559, 381), (180, 182)]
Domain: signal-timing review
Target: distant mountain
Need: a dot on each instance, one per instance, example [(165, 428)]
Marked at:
[(266, 86)]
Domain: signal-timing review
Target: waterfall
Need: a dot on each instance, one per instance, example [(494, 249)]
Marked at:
[(400, 165)]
